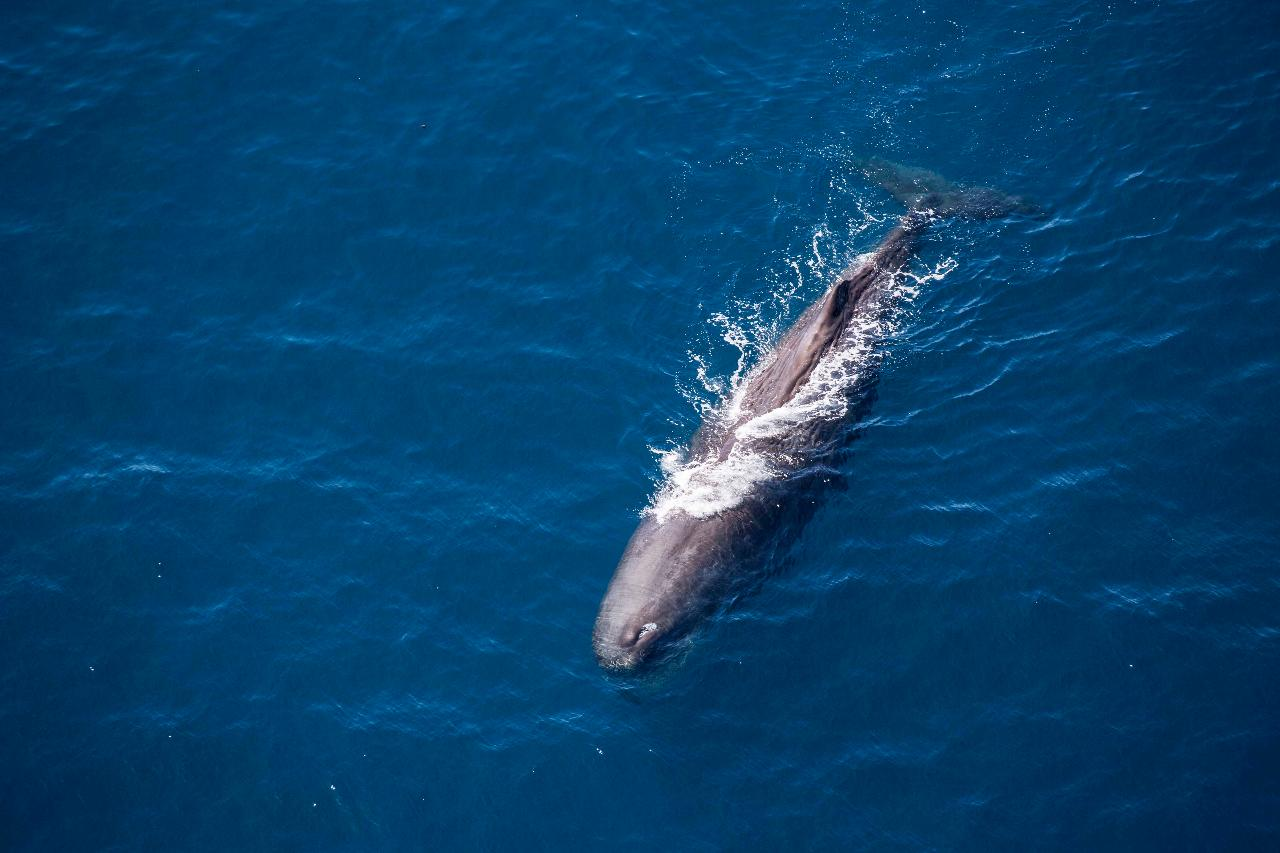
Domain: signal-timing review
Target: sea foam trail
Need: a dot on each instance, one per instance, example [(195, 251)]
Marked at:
[(705, 484)]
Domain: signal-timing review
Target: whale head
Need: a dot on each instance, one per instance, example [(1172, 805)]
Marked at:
[(661, 588)]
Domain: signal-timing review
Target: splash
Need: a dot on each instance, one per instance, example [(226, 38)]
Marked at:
[(707, 483), (709, 487)]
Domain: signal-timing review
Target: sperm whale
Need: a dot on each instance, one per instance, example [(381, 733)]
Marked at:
[(774, 439)]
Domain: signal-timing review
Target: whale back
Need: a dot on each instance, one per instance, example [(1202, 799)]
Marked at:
[(928, 198), (804, 345), (857, 291)]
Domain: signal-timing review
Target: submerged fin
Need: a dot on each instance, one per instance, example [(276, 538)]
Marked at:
[(928, 192)]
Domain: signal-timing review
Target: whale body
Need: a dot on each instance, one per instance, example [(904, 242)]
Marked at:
[(757, 465)]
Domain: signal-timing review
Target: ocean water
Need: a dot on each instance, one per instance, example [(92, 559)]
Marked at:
[(343, 344)]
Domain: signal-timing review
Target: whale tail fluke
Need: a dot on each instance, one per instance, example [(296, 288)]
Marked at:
[(928, 192)]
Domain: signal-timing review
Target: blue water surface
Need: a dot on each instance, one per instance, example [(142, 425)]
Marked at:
[(338, 339)]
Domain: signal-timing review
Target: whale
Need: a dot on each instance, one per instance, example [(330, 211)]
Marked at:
[(761, 461)]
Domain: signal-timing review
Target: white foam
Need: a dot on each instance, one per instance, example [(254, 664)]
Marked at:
[(709, 487)]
